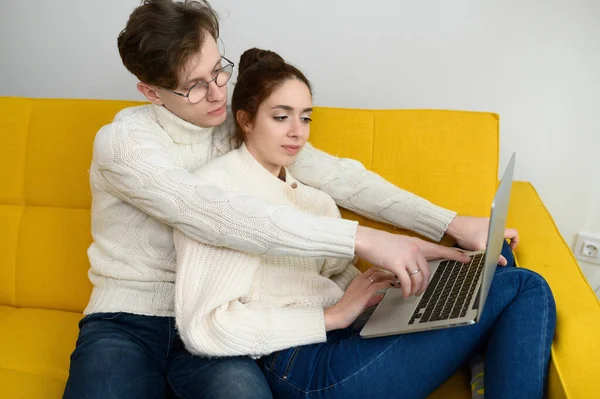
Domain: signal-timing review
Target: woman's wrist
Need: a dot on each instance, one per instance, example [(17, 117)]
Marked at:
[(332, 319)]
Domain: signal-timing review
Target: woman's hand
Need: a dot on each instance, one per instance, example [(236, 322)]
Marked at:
[(360, 295), (471, 233), (406, 257)]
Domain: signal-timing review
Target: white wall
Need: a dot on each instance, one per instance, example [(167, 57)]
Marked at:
[(535, 62)]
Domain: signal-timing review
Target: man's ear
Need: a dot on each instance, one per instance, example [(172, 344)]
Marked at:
[(243, 119), (150, 93)]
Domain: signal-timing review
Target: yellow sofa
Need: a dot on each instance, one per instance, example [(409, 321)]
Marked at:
[(448, 157)]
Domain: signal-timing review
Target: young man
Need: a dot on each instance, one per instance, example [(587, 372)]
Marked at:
[(142, 188)]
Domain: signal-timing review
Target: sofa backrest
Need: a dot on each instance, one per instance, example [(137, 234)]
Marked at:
[(448, 157)]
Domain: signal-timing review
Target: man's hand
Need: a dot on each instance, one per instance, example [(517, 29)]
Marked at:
[(406, 257), (471, 233)]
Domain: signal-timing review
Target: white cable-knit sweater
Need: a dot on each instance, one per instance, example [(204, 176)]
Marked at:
[(142, 188), (230, 303)]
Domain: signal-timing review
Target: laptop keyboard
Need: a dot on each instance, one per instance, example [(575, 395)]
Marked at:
[(450, 291)]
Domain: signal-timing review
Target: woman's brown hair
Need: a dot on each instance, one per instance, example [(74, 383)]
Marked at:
[(260, 73)]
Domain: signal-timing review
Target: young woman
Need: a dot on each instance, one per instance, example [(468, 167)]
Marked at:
[(299, 314)]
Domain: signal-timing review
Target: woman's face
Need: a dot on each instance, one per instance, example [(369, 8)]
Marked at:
[(281, 127)]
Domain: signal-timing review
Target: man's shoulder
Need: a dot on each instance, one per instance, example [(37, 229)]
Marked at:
[(131, 127), (131, 112), (133, 121), (141, 117)]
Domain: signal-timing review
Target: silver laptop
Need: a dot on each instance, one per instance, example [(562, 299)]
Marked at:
[(457, 292)]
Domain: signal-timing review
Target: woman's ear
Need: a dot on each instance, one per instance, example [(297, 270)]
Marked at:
[(150, 93), (243, 120)]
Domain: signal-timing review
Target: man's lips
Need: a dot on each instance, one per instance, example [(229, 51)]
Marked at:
[(217, 111)]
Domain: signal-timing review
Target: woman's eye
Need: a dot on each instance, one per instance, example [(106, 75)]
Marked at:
[(280, 118), (306, 119)]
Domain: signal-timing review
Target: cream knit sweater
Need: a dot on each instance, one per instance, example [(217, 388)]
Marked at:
[(142, 189), (230, 303)]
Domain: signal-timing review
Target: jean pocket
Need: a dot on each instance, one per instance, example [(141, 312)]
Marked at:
[(106, 316), (290, 363)]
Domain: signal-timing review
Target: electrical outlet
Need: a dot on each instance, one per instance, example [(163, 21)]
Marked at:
[(587, 248)]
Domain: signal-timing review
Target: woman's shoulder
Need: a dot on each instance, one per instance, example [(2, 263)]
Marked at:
[(322, 202), (220, 169)]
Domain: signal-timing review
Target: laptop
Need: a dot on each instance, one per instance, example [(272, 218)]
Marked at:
[(457, 292)]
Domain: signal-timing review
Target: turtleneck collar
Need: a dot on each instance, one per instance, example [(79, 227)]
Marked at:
[(253, 168), (180, 131)]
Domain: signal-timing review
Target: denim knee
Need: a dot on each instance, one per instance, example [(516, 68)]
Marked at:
[(218, 378), (535, 281)]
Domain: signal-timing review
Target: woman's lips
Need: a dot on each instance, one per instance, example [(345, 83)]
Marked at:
[(291, 149)]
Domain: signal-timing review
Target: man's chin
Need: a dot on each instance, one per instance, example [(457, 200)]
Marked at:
[(212, 121)]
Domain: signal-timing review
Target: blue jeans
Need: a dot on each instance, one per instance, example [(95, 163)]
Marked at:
[(516, 331), (122, 355)]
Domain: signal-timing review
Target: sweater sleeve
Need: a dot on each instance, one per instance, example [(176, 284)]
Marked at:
[(136, 166), (214, 320), (342, 276), (367, 194), (340, 271)]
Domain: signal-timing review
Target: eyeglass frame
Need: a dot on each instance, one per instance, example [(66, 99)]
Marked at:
[(207, 83)]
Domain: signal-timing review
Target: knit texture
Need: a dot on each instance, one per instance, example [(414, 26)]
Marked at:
[(231, 303), (366, 193), (142, 189)]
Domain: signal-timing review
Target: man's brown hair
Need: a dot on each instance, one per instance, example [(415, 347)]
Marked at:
[(161, 35)]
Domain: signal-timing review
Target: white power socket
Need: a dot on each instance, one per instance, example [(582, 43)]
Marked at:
[(587, 248)]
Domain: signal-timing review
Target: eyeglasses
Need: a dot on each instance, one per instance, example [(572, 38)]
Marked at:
[(199, 91)]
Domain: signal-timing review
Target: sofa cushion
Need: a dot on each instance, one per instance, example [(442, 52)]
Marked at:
[(16, 384), (46, 149), (36, 346), (10, 220), (45, 154), (430, 153), (576, 345), (52, 260)]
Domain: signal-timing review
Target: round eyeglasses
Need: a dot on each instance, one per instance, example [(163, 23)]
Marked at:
[(199, 91)]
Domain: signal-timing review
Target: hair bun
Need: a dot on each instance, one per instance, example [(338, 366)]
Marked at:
[(255, 55)]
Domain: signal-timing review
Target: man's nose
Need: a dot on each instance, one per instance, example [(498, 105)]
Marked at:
[(215, 93)]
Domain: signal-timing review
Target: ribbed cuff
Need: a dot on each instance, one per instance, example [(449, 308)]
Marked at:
[(297, 326), (344, 279), (425, 218)]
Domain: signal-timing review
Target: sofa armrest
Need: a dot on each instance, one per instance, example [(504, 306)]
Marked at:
[(575, 367)]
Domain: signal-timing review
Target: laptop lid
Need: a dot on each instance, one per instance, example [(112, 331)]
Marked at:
[(496, 231)]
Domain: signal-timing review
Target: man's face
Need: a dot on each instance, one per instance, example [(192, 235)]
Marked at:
[(201, 67)]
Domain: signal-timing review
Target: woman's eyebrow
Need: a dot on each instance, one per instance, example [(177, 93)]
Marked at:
[(288, 108)]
